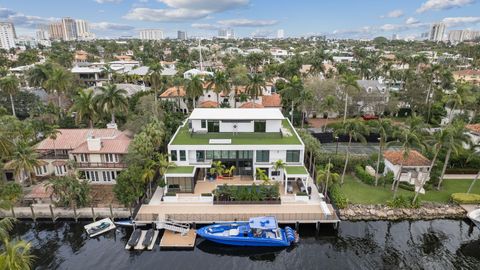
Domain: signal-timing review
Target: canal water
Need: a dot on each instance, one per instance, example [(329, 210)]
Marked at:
[(436, 244)]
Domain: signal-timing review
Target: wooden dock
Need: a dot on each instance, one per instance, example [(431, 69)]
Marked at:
[(173, 240)]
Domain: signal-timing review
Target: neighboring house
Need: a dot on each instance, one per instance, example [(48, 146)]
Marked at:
[(415, 168), (97, 154), (474, 133), (245, 138), (468, 75), (196, 72), (375, 97)]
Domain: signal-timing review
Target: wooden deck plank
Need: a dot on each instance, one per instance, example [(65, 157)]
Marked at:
[(171, 240)]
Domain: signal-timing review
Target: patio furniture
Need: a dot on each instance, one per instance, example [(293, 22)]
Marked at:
[(300, 185), (289, 188)]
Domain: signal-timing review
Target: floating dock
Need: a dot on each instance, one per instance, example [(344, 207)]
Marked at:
[(97, 223), (140, 245), (174, 240), (154, 240)]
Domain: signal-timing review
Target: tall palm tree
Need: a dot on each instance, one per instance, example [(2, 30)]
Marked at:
[(107, 68), (9, 84), (316, 62), (23, 160), (326, 178), (384, 128), (478, 174), (350, 85), (455, 137), (293, 93), (163, 164), (155, 78), (220, 83), (408, 139), (356, 130), (58, 81), (194, 88), (111, 100), (84, 107), (255, 86), (38, 75)]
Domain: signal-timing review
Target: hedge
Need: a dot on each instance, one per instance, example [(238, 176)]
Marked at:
[(364, 176), (406, 186), (338, 197), (465, 198)]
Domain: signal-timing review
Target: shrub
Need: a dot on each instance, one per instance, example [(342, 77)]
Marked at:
[(364, 176), (206, 194), (301, 194), (338, 161), (171, 193), (404, 202), (386, 179), (406, 186), (338, 197), (466, 198)]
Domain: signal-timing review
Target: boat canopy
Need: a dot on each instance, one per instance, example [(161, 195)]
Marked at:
[(264, 223)]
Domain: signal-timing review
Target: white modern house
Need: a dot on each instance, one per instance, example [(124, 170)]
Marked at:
[(245, 138)]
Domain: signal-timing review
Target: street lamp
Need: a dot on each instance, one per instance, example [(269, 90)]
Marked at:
[(336, 148)]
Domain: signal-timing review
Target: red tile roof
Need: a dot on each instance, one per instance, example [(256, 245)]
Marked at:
[(40, 192), (250, 105), (173, 92), (273, 100), (414, 158), (117, 145), (475, 128), (467, 72), (72, 138)]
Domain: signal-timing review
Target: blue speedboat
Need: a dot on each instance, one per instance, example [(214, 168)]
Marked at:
[(259, 231)]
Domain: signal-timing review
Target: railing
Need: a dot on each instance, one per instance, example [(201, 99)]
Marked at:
[(51, 155), (100, 165)]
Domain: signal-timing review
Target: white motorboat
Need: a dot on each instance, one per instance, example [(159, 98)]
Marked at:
[(475, 217)]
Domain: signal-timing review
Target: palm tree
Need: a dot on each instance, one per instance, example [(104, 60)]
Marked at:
[(38, 75), (279, 164), (16, 255), (148, 174), (111, 100), (349, 83), (455, 137), (219, 82), (107, 68), (84, 107), (316, 62), (155, 78), (478, 174), (384, 128), (51, 133), (58, 81), (194, 88), (408, 139), (356, 130), (326, 178), (163, 164), (255, 86), (23, 160), (9, 84)]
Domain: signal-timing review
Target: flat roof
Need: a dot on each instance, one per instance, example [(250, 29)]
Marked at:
[(183, 137), (296, 170), (236, 114), (180, 170)]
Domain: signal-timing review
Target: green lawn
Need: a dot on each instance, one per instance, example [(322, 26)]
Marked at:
[(361, 193), (180, 170), (296, 170), (185, 138)]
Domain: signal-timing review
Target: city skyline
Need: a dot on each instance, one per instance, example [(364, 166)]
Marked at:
[(341, 19)]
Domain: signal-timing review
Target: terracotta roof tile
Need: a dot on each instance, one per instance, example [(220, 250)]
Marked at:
[(72, 138), (475, 128), (208, 104), (467, 72), (173, 92), (117, 145), (273, 100), (414, 158), (249, 105)]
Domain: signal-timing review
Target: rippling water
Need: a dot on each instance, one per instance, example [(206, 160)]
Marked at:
[(437, 244)]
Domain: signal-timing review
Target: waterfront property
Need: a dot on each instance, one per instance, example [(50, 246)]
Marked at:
[(414, 168), (262, 164), (96, 154)]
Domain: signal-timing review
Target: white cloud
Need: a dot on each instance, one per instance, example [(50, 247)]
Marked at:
[(460, 21), (205, 26), (184, 10), (247, 23), (108, 1), (107, 26), (411, 20), (397, 13), (443, 4), (22, 20)]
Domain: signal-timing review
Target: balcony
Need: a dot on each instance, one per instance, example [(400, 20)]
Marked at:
[(52, 155), (93, 165)]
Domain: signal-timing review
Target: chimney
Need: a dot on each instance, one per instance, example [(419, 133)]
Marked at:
[(112, 125), (94, 144)]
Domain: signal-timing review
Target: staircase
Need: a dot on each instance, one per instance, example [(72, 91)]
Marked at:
[(173, 226)]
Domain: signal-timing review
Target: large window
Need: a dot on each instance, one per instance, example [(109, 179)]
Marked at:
[(213, 126), (263, 156), (111, 158), (203, 123), (293, 155), (183, 155), (200, 156), (173, 155), (259, 126)]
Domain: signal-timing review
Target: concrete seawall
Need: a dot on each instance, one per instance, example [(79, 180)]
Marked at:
[(51, 212)]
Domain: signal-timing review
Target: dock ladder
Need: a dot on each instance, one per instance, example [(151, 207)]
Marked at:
[(173, 226)]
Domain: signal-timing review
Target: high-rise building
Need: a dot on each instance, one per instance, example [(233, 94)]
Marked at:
[(55, 30), (7, 35), (181, 35), (437, 32), (83, 29), (151, 34), (456, 36), (470, 35), (69, 29), (280, 33), (226, 33), (42, 32)]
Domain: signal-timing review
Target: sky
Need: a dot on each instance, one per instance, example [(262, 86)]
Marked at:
[(335, 19)]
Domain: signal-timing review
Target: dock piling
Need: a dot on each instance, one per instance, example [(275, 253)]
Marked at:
[(13, 212), (93, 214), (297, 225), (317, 227), (75, 213), (52, 213), (33, 213), (111, 213)]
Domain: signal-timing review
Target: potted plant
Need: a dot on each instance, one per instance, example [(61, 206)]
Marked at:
[(218, 168), (229, 172), (262, 176)]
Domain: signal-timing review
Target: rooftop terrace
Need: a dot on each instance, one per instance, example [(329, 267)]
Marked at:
[(185, 137)]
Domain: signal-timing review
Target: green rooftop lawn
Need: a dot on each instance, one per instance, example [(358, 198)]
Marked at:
[(360, 193), (180, 170), (296, 170), (184, 137)]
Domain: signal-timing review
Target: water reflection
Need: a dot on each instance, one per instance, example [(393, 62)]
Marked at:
[(255, 254)]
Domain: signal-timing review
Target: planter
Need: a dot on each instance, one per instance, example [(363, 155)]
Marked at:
[(170, 198), (246, 202), (301, 198)]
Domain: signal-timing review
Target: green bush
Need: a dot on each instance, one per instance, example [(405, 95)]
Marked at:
[(301, 194), (338, 197), (206, 194), (466, 198), (404, 202), (386, 179), (338, 161), (171, 193), (406, 186), (364, 176)]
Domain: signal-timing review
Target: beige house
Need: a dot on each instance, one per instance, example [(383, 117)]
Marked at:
[(415, 168), (468, 75)]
